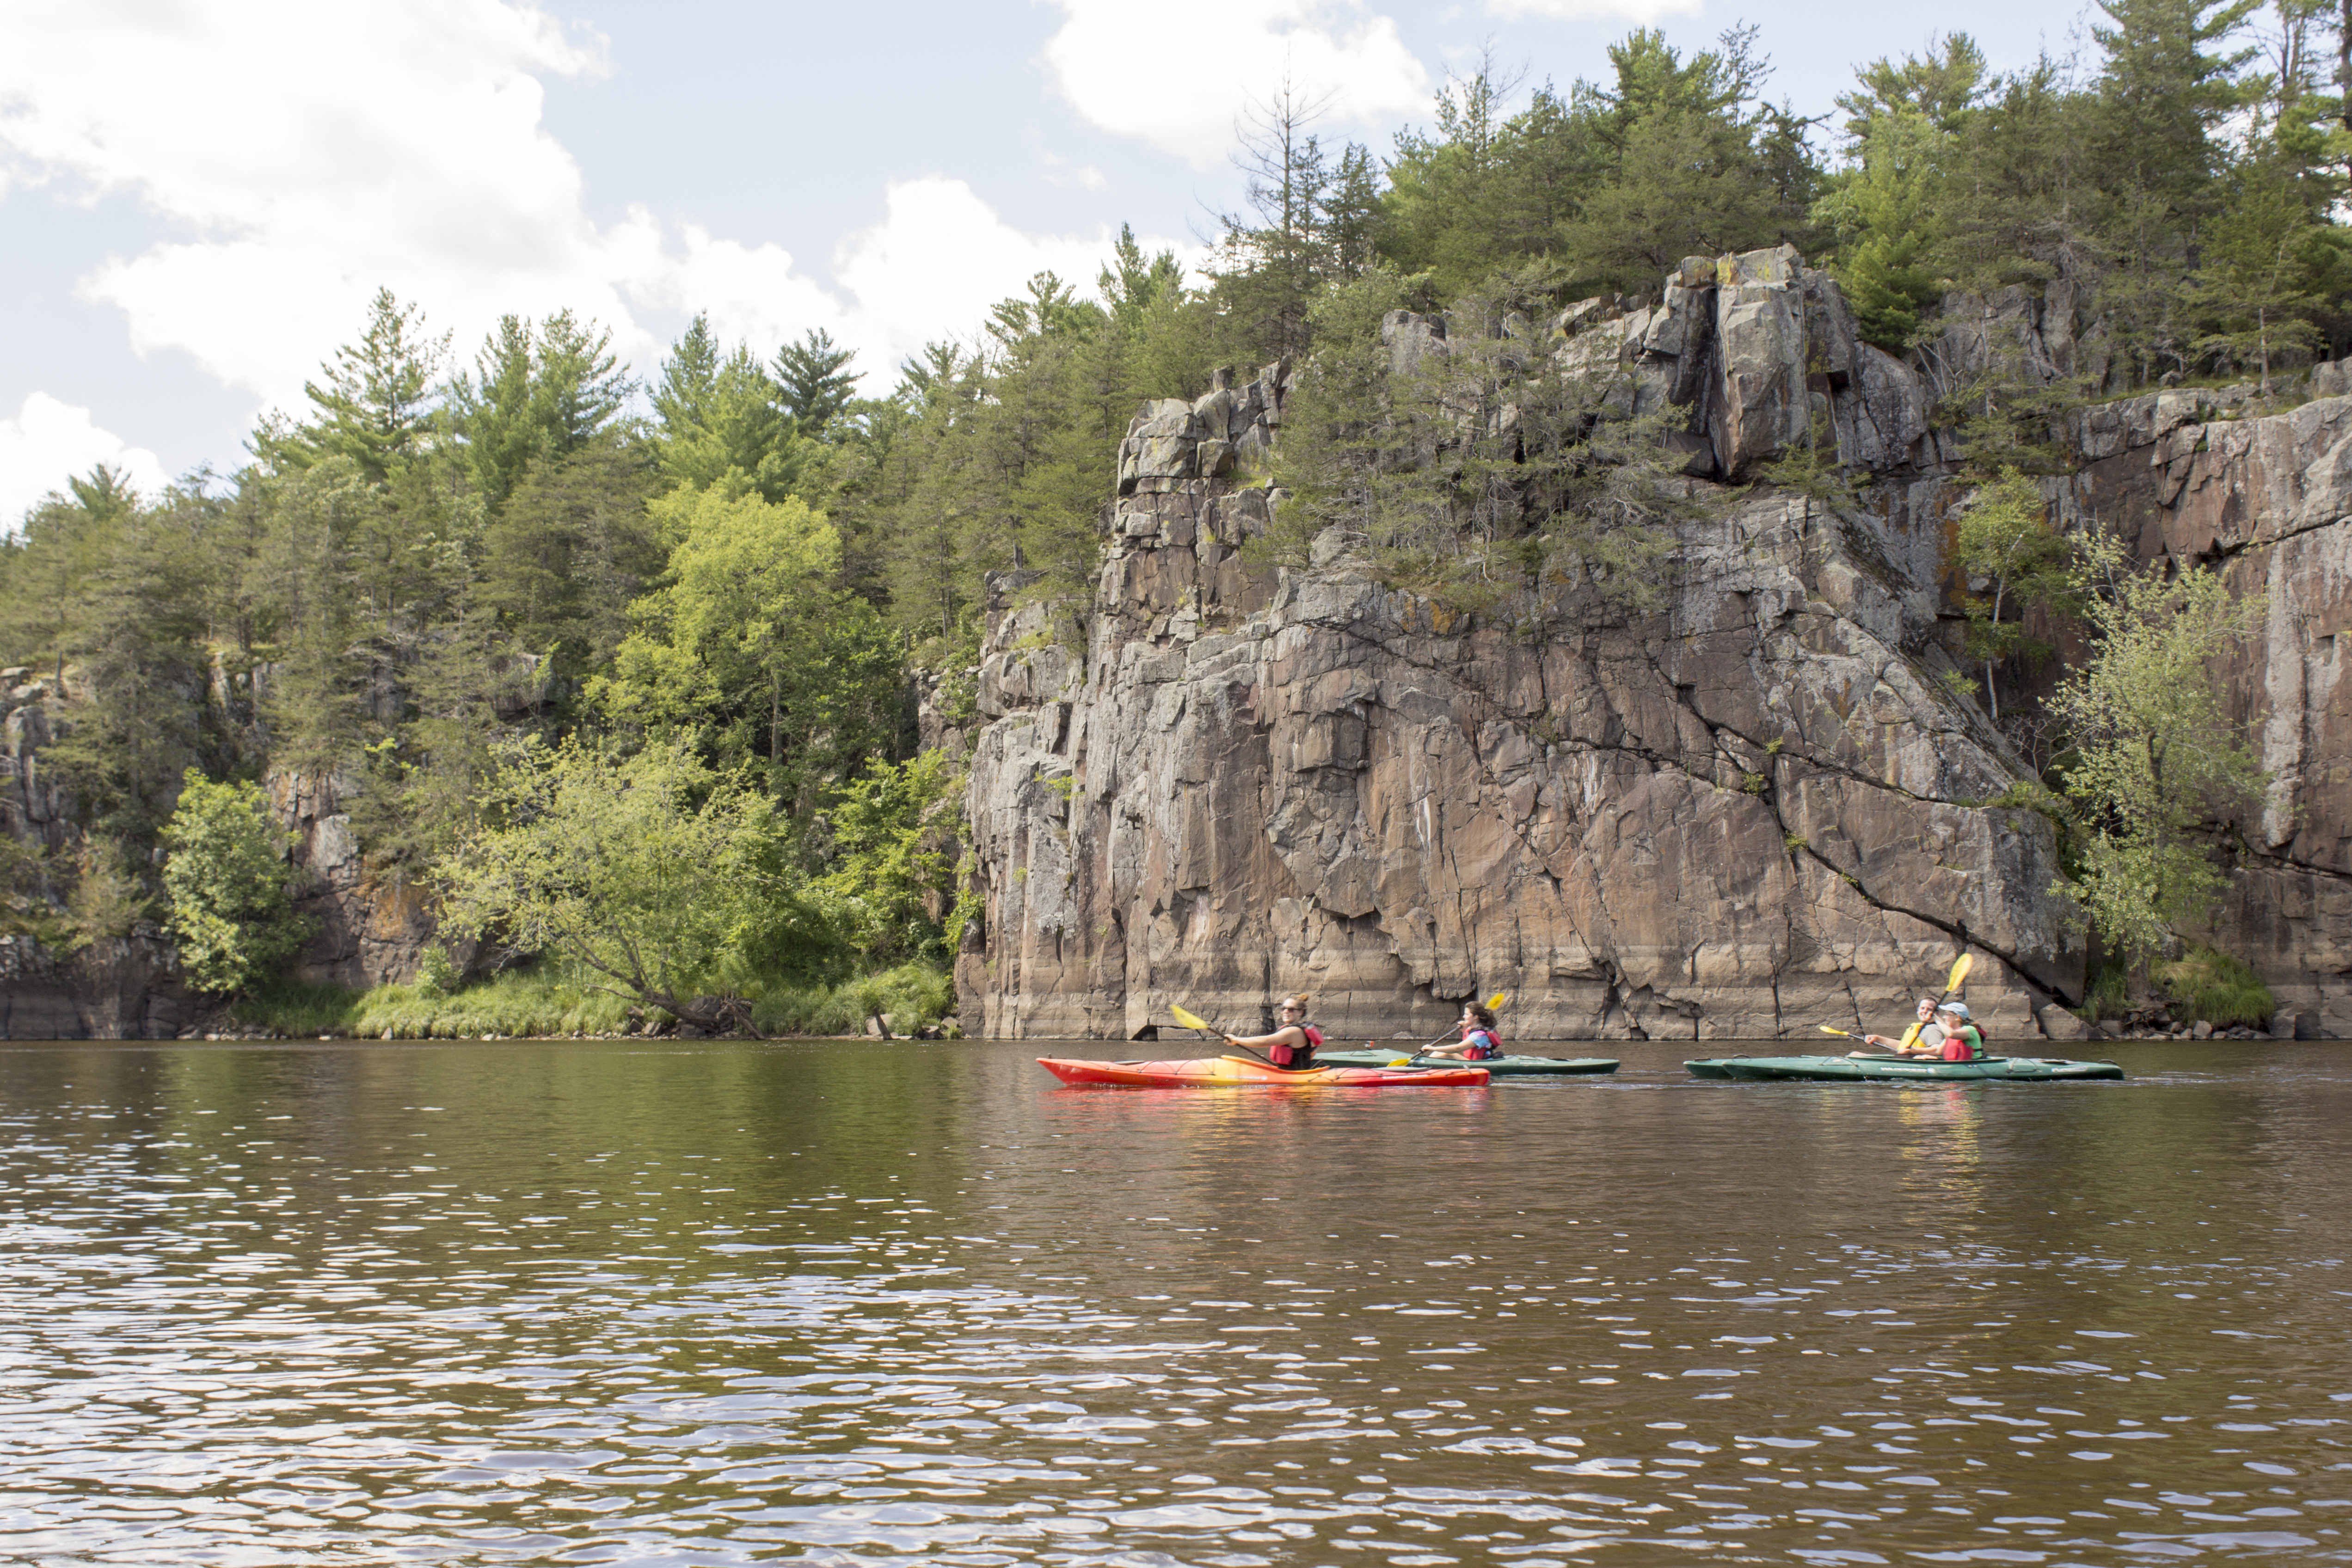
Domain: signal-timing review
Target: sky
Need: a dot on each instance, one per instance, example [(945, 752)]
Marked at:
[(199, 198)]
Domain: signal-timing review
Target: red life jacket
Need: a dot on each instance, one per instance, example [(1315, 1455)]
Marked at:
[(1480, 1045), (1282, 1054), (1958, 1048)]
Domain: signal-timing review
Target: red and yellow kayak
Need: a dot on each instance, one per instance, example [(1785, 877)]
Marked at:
[(1248, 1072)]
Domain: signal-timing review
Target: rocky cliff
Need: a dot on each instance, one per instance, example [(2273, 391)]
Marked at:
[(2269, 500), (367, 928), (1757, 810)]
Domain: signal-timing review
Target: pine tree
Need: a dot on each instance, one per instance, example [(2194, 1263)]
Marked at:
[(376, 404), (813, 381)]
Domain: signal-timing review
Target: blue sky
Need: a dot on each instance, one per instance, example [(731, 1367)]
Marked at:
[(198, 197)]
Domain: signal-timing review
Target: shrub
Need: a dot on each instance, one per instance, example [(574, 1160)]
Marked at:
[(2214, 987), (226, 878), (436, 973)]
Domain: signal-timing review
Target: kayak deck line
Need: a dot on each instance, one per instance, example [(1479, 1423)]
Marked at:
[(1500, 1067), (1249, 1073)]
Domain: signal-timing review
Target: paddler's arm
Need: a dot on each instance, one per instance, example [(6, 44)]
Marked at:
[(1289, 1034)]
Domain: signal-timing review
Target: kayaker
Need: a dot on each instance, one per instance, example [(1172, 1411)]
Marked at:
[(1479, 1042), (1963, 1041), (1293, 1041), (1923, 1038)]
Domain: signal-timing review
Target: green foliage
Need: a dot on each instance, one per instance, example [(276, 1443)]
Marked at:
[(125, 586), (106, 901), (226, 878), (416, 573), (899, 835), (748, 644), (814, 383), (376, 406), (913, 995), (1882, 213), (2222, 990), (2108, 994), (722, 421), (536, 396), (551, 1000), (2005, 540), (2157, 761), (25, 907), (436, 973), (1811, 469), (1493, 469), (652, 872)]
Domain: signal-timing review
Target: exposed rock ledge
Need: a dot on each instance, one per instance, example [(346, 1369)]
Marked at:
[(1743, 816), (122, 988)]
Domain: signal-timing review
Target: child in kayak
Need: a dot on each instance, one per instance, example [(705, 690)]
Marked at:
[(1479, 1042), (1293, 1042), (1923, 1038), (1963, 1041)]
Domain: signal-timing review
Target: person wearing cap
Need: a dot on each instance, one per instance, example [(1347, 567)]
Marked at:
[(1925, 1037), (1963, 1041)]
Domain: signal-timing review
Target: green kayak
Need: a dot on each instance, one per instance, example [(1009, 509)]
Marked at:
[(1500, 1067), (1896, 1069)]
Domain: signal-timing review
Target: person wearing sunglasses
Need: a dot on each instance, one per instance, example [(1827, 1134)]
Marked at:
[(1293, 1041)]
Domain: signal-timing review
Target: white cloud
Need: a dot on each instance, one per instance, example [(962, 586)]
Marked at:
[(940, 258), (300, 155), (1179, 79), (1589, 10), (50, 442), (1061, 171)]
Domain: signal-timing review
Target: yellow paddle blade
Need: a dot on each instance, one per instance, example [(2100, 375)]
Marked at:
[(1496, 1000), (1960, 967), (1190, 1020), (1832, 1029)]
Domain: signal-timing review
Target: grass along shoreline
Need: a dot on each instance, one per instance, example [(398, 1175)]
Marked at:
[(549, 1003)]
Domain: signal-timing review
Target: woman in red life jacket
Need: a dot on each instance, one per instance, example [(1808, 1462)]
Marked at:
[(1293, 1042), (1479, 1042)]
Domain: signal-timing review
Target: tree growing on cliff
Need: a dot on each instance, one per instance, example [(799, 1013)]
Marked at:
[(1481, 463), (2158, 765), (224, 873), (2006, 543)]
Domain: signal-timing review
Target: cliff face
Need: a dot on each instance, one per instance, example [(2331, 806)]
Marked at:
[(2269, 501), (122, 988), (366, 929), (1744, 815)]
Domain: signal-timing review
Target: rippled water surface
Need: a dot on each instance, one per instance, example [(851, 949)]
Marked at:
[(722, 1303)]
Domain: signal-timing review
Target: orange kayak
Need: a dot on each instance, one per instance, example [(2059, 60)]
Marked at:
[(1248, 1072)]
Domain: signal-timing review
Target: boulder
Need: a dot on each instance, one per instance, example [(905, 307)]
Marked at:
[(2060, 1023)]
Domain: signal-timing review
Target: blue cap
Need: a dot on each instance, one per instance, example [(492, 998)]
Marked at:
[(1957, 1009)]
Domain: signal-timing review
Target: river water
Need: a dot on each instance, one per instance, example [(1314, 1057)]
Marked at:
[(716, 1303)]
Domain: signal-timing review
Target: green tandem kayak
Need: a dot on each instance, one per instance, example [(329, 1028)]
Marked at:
[(1499, 1066), (2002, 1069)]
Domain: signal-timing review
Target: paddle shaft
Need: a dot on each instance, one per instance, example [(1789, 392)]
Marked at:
[(1493, 1001), (1192, 1020)]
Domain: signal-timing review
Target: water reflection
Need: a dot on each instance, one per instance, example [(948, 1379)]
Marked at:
[(837, 1303)]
